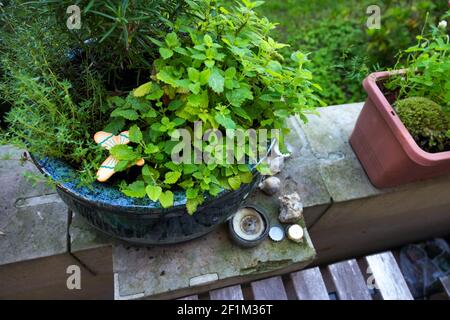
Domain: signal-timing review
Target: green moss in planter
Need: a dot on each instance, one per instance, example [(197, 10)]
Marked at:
[(426, 121)]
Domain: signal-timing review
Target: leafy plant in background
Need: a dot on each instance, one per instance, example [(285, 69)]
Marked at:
[(426, 74), (222, 68), (335, 50), (402, 21), (342, 50), (427, 67)]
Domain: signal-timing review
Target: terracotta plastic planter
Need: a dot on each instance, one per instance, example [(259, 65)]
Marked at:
[(384, 146)]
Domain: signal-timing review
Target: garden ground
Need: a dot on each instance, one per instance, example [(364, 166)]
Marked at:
[(342, 50)]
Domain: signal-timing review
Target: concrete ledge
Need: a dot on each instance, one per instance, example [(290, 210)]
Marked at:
[(35, 247), (207, 263), (363, 219), (345, 214)]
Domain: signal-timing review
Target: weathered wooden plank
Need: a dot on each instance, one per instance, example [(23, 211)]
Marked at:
[(269, 289), (229, 293), (193, 297), (388, 277), (445, 281), (349, 281), (309, 285)]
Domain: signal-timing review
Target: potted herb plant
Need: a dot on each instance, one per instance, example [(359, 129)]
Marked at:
[(215, 65), (402, 134)]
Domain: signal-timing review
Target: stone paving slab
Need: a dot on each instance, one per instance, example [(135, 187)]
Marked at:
[(211, 261), (327, 134), (33, 219), (301, 170)]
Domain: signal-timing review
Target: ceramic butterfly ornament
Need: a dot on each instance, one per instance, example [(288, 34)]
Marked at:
[(108, 140)]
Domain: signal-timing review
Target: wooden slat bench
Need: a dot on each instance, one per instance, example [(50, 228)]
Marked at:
[(230, 293), (269, 289), (309, 285), (392, 287), (374, 277), (349, 281)]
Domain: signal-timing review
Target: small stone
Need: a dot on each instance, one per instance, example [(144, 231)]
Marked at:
[(270, 186), (291, 208), (295, 233)]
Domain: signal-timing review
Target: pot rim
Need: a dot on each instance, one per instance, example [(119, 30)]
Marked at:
[(409, 145), (67, 182)]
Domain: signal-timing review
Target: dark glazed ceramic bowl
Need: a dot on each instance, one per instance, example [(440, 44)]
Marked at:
[(141, 221)]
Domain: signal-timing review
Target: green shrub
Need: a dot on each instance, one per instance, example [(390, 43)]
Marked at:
[(427, 66), (426, 121), (401, 22)]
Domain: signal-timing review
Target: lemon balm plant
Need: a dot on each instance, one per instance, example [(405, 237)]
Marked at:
[(219, 67)]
